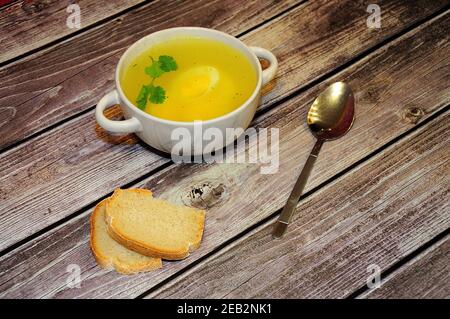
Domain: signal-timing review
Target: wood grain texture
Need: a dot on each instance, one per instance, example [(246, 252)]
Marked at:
[(394, 92), (6, 3), (30, 24), (57, 166), (72, 166), (377, 214), (70, 77), (426, 276), (312, 40)]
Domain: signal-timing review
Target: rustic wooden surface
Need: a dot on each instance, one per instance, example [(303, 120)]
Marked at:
[(426, 276), (71, 76), (390, 190), (86, 149), (383, 215), (28, 25), (92, 154)]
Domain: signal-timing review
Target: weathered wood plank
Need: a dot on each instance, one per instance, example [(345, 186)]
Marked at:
[(318, 37), (30, 24), (375, 215), (394, 91), (71, 166), (51, 85), (425, 276), (6, 3), (57, 166)]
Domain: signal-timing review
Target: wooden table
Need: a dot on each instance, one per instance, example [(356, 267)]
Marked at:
[(377, 199)]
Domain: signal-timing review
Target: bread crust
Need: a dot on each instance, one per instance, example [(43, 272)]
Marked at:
[(111, 263), (152, 251)]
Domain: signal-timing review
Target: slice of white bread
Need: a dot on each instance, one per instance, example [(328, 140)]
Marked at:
[(153, 227), (110, 254)]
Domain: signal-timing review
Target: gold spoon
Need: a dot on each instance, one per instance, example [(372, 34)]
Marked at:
[(330, 117)]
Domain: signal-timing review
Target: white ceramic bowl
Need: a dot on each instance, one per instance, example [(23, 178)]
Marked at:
[(157, 132)]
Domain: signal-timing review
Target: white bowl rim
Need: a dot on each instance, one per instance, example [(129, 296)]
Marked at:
[(191, 123)]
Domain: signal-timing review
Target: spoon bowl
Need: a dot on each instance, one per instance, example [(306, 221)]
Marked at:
[(332, 113)]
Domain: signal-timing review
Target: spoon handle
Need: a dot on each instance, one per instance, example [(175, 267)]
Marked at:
[(288, 210)]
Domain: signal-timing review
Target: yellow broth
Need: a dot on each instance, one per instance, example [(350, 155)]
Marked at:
[(211, 79)]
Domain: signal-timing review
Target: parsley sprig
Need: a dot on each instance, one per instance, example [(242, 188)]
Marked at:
[(156, 94)]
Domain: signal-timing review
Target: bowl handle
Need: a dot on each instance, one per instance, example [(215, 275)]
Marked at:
[(131, 125), (269, 73)]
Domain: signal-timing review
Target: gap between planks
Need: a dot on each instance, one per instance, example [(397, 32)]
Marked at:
[(165, 165), (383, 55), (39, 131), (268, 222), (404, 263), (51, 126), (68, 36), (162, 166)]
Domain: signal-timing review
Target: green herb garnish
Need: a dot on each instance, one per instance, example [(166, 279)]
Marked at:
[(156, 94), (167, 63)]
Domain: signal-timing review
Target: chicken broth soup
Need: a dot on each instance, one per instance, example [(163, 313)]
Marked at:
[(187, 79)]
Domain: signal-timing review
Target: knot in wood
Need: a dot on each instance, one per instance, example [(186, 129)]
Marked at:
[(31, 7), (205, 195), (412, 114)]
